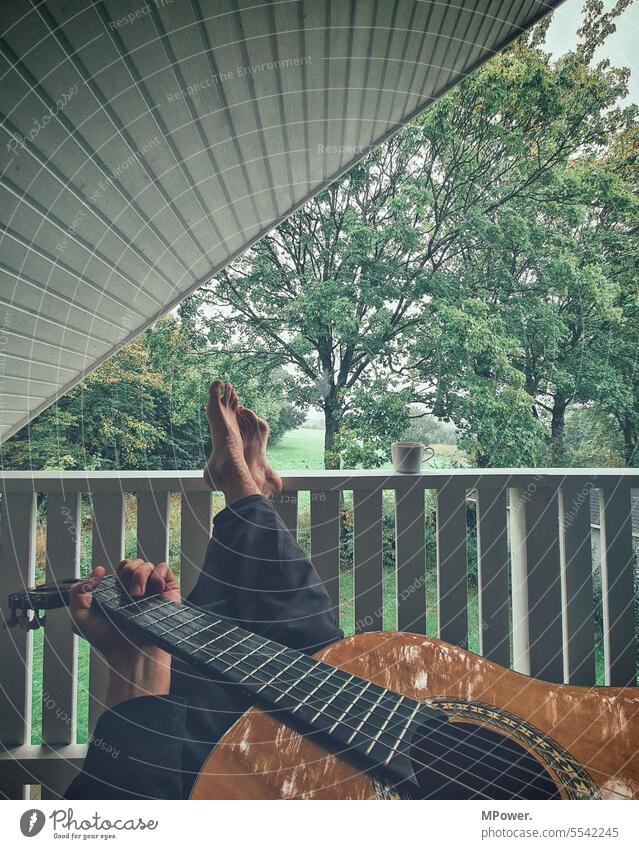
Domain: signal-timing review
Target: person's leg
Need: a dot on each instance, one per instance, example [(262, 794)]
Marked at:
[(254, 572), (227, 469), (257, 574)]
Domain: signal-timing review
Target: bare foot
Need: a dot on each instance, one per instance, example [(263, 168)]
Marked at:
[(255, 438), (226, 469)]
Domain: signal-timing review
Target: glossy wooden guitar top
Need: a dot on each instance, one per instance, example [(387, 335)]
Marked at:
[(261, 758)]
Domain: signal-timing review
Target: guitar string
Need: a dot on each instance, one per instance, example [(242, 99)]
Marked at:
[(249, 635), (447, 777), (374, 740), (310, 673), (345, 721), (251, 671), (302, 658), (454, 742)]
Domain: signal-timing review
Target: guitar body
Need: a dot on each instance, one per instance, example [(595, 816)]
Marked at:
[(594, 732)]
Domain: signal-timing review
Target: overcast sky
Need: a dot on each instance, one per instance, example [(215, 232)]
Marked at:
[(621, 47)]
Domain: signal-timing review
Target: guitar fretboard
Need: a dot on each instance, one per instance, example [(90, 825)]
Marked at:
[(360, 717)]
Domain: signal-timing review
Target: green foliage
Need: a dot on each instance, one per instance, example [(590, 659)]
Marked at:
[(480, 264), (591, 439), (144, 408), (373, 420), (429, 430), (473, 264)]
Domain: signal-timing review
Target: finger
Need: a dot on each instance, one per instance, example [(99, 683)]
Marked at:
[(127, 569), (139, 579), (81, 594), (163, 578), (165, 571), (156, 582), (128, 566)]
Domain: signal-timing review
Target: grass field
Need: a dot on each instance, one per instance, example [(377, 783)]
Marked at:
[(304, 449)]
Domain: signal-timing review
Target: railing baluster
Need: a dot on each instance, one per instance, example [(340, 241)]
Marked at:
[(59, 685), (536, 564), (286, 505), (325, 541), (410, 559), (153, 526), (452, 565), (195, 533), (576, 572), (367, 559), (108, 551), (519, 581), (618, 594), (17, 571), (492, 574)]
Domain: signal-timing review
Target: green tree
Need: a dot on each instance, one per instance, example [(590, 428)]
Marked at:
[(144, 408), (618, 242), (531, 293), (339, 292), (108, 421)]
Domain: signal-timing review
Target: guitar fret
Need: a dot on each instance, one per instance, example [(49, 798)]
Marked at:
[(180, 625), (344, 713), (335, 694), (219, 654), (315, 688), (384, 724), (290, 687), (113, 596), (357, 713), (275, 677), (268, 660), (366, 715), (143, 600), (164, 619), (207, 627), (401, 736)]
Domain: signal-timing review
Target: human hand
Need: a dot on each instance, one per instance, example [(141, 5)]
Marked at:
[(136, 668)]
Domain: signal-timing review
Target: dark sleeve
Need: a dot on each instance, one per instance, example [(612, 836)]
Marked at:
[(256, 573), (135, 752)]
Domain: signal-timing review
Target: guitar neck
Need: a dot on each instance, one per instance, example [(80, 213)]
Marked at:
[(367, 720)]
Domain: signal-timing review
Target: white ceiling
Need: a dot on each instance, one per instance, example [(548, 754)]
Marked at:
[(139, 154)]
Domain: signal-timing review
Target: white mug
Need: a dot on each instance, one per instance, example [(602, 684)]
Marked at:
[(408, 456)]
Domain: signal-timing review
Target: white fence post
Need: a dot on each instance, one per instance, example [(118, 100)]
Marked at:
[(367, 560), (17, 572), (59, 683)]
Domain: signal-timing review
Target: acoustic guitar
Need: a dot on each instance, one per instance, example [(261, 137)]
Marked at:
[(382, 715)]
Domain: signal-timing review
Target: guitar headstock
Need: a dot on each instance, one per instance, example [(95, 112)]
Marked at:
[(28, 608)]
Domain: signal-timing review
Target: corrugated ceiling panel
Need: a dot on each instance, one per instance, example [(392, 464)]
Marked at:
[(145, 146)]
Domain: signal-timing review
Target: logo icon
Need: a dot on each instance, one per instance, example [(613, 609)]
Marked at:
[(32, 822)]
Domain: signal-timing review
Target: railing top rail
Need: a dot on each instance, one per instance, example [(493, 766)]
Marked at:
[(357, 479)]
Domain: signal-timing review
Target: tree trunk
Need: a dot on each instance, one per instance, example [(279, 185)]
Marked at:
[(630, 443), (557, 427), (483, 460), (331, 456)]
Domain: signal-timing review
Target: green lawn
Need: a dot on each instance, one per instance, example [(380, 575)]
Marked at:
[(299, 449), (304, 449)]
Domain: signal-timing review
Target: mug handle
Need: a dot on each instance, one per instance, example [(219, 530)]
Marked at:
[(431, 455)]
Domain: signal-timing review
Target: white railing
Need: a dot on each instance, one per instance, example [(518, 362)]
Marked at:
[(534, 574)]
